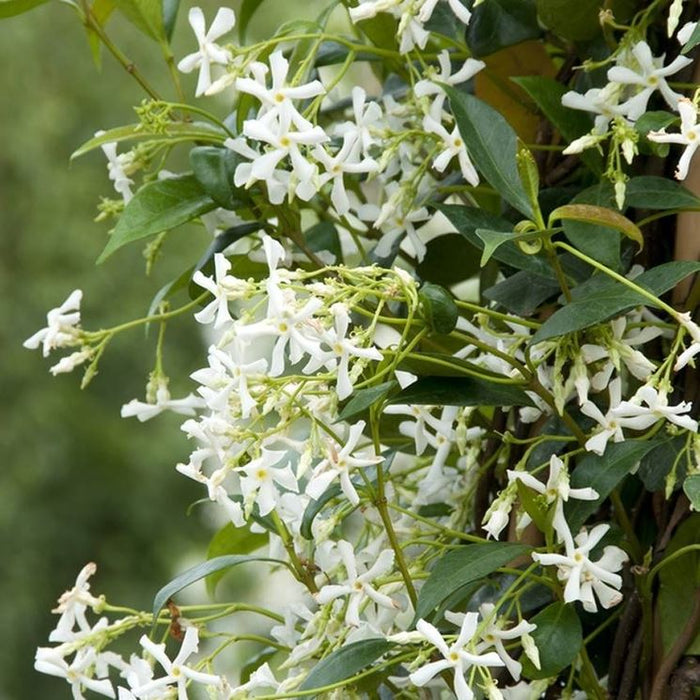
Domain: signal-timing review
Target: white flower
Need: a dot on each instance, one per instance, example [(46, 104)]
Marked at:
[(459, 10), (631, 414), (689, 136), (208, 52), (358, 587), (61, 326), (69, 363), (498, 514), (611, 426), (72, 606), (79, 673), (176, 670), (694, 348), (224, 287), (366, 116), (339, 463), (145, 411), (116, 168), (455, 656), (258, 479), (650, 75), (685, 32), (603, 102), (454, 146), (584, 577)]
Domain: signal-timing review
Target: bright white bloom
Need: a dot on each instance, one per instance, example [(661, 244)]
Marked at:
[(208, 52), (358, 587), (70, 362), (611, 426), (604, 102), (62, 326), (456, 656), (79, 673), (584, 577), (260, 476), (650, 75), (685, 32), (116, 168), (224, 288), (145, 411), (366, 117), (395, 222), (493, 634), (631, 414), (694, 348), (497, 516), (457, 7), (72, 606), (454, 146), (277, 99), (176, 670), (689, 136), (338, 464)]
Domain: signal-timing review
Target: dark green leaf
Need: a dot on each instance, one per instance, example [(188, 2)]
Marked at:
[(679, 582), (603, 473), (362, 399), (214, 168), (461, 391), (460, 567), (558, 638), (345, 662), (691, 487), (574, 21), (439, 310), (534, 506), (159, 206), (198, 572), (449, 259), (654, 121), (492, 144), (571, 123), (523, 292), (170, 10), (496, 24), (145, 15), (9, 8), (232, 540), (245, 14), (324, 236), (468, 219), (656, 464), (611, 298), (649, 192)]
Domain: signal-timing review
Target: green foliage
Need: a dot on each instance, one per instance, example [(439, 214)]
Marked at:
[(497, 24)]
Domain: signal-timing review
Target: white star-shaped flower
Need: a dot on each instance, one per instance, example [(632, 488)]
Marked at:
[(689, 136)]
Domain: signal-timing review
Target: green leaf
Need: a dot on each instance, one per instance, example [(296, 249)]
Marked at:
[(167, 290), (145, 15), (468, 219), (693, 40), (10, 8), (558, 638), (654, 121), (650, 192), (658, 462), (362, 399), (492, 240), (170, 10), (603, 473), (611, 298), (324, 236), (178, 132), (573, 21), (492, 144), (198, 572), (459, 567), (158, 206), (600, 216), (245, 14), (496, 24), (214, 168), (439, 310), (232, 540), (345, 662), (691, 487), (448, 259), (571, 123), (461, 391), (523, 292), (679, 582), (534, 506)]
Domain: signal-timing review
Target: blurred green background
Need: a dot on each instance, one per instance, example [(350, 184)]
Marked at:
[(79, 483)]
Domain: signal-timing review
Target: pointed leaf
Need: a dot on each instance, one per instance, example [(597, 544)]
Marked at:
[(492, 240), (362, 399), (145, 15), (492, 144), (558, 638), (439, 310), (10, 8), (345, 662), (496, 24), (691, 487), (170, 10), (245, 14), (649, 192), (611, 298), (158, 206), (198, 572), (603, 473), (591, 214), (461, 391), (214, 169), (459, 567)]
